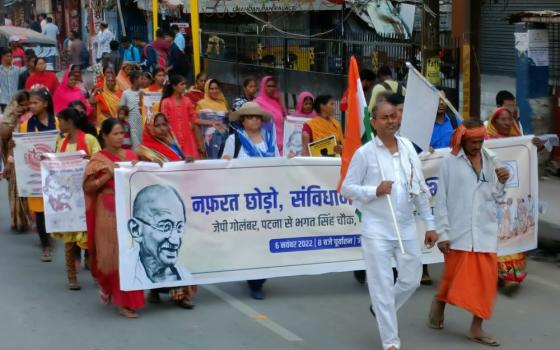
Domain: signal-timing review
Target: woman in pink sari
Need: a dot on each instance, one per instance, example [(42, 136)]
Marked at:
[(70, 90), (304, 107), (270, 101)]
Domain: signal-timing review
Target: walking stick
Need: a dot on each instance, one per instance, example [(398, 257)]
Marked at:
[(393, 216)]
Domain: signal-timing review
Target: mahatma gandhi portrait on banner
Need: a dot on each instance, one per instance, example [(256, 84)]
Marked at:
[(157, 226)]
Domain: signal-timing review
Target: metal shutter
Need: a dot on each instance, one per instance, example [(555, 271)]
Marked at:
[(497, 53)]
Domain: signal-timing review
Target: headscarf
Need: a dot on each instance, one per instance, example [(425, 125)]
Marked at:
[(108, 101), (275, 107), (123, 81), (64, 94), (463, 134), (250, 148), (299, 107), (216, 105), (155, 148), (491, 128)]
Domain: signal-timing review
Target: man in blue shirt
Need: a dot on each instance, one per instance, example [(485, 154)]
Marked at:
[(129, 52), (443, 126), (179, 39)]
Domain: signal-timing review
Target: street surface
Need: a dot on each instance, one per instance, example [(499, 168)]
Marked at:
[(327, 312)]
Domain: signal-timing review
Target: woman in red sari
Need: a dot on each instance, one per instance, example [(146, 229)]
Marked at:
[(159, 146), (99, 188), (180, 112)]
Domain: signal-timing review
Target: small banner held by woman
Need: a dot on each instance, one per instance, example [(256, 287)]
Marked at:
[(62, 175), (27, 156)]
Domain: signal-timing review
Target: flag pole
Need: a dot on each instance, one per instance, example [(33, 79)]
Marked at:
[(447, 102), (389, 200)]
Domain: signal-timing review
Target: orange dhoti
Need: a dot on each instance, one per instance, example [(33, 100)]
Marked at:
[(470, 281)]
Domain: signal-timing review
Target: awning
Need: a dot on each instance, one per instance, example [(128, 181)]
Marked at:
[(535, 17), (146, 5)]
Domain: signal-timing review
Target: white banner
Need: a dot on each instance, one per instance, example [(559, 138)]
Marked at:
[(27, 156), (420, 108), (219, 221), (292, 135), (62, 177)]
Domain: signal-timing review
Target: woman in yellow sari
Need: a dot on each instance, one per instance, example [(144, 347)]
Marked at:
[(107, 98), (123, 80), (212, 112), (322, 126)]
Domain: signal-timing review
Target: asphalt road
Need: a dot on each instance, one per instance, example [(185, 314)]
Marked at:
[(308, 312)]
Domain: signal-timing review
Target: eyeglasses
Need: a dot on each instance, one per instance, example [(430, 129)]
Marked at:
[(166, 226)]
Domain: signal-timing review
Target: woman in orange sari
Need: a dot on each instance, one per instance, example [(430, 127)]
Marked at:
[(123, 80), (322, 126), (160, 146), (108, 98), (99, 188)]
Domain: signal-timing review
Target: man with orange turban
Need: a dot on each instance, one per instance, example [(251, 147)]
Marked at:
[(471, 184)]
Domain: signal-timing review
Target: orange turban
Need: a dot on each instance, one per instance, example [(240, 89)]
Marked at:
[(461, 133)]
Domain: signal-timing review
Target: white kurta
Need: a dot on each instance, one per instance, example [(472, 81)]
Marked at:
[(379, 241)]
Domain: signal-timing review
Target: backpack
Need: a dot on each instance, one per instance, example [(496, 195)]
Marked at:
[(160, 60), (236, 148), (388, 88)]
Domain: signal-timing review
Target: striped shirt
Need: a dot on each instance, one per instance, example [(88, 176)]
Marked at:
[(9, 78)]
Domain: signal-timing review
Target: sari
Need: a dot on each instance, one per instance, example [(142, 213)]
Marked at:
[(102, 231), (153, 149), (64, 95), (18, 205), (319, 128), (154, 88), (181, 118), (107, 103), (299, 107), (511, 268), (210, 109), (123, 81), (195, 95), (275, 107)]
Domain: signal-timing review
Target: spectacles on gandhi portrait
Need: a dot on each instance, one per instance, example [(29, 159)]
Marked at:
[(166, 226)]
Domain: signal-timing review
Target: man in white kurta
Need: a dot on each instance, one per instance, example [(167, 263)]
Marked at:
[(403, 182)]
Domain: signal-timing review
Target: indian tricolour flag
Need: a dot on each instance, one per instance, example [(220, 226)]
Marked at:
[(358, 128)]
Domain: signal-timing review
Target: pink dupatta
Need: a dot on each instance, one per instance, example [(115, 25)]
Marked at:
[(64, 95), (299, 107), (275, 107)]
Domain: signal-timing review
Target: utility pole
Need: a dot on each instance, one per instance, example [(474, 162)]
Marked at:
[(195, 32), (466, 30)]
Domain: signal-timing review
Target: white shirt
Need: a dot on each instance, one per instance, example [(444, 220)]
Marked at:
[(51, 30), (363, 177), (229, 148), (103, 40), (466, 206)]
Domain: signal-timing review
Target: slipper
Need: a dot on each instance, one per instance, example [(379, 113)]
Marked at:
[(485, 340), (434, 323), (185, 304), (104, 298), (426, 280), (128, 313)]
